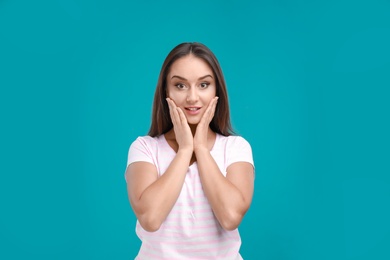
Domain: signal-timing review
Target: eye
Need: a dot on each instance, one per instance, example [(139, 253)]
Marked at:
[(180, 86), (204, 84)]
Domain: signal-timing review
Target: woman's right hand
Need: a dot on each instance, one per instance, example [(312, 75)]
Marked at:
[(181, 128)]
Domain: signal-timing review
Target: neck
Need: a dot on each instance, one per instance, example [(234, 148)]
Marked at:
[(193, 130), (171, 133)]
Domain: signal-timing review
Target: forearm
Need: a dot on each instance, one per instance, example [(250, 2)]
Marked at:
[(225, 198), (157, 200)]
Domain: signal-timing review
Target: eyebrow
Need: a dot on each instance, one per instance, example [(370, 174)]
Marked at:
[(175, 76)]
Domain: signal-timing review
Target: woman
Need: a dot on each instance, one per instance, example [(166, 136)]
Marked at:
[(190, 181)]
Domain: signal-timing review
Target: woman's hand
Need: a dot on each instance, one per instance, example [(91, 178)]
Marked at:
[(182, 130), (200, 138)]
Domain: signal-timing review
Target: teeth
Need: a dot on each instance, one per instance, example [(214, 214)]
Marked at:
[(192, 108)]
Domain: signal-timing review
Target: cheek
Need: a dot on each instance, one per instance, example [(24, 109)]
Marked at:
[(175, 96), (209, 95), (212, 91)]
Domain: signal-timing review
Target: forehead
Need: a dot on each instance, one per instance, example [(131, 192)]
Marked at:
[(190, 67)]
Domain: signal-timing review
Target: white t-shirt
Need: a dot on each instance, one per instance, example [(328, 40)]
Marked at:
[(190, 231)]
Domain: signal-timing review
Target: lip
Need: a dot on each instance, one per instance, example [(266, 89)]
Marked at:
[(192, 110)]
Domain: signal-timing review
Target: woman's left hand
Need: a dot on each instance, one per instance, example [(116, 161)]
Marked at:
[(200, 138)]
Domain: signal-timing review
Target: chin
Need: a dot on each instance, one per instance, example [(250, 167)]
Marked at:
[(193, 121)]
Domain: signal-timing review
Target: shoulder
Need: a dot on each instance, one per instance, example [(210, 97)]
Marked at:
[(238, 149), (233, 141), (146, 141), (144, 148)]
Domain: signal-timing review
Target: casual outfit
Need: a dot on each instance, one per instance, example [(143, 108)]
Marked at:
[(190, 231)]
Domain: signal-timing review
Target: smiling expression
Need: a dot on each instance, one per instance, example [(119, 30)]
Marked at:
[(191, 85)]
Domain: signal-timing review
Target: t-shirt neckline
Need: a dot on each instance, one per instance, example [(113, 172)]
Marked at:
[(173, 151)]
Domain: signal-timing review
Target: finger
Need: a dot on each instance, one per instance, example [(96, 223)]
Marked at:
[(172, 111), (209, 113), (213, 108), (205, 116), (175, 112), (183, 118)]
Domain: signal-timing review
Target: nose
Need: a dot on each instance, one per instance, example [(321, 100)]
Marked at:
[(192, 95)]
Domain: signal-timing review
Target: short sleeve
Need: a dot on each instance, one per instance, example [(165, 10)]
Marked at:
[(140, 151), (238, 150)]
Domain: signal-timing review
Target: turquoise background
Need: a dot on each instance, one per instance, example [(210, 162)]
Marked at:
[(308, 83)]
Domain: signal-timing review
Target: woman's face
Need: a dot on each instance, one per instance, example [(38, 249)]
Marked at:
[(191, 85)]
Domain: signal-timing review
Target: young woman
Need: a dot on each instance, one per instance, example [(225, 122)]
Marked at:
[(190, 181)]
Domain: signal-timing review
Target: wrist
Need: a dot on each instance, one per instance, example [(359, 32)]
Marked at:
[(185, 151), (201, 149)]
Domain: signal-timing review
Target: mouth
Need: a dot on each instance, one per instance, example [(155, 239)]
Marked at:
[(192, 110)]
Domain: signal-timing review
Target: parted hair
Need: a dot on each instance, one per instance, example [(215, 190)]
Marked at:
[(161, 120)]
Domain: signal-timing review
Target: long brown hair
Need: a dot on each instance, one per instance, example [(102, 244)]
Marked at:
[(161, 120)]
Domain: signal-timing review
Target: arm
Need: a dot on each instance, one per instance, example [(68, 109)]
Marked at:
[(152, 198), (230, 196)]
